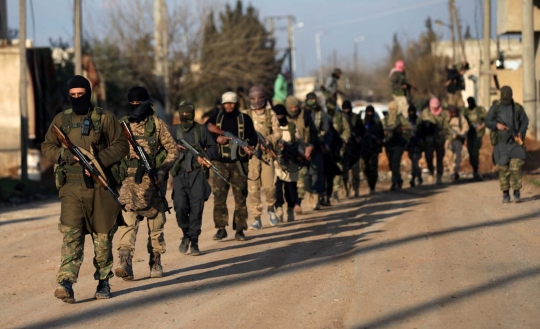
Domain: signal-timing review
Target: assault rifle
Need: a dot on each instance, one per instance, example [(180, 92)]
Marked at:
[(144, 162), (94, 168), (236, 142), (267, 145), (204, 157), (296, 154)]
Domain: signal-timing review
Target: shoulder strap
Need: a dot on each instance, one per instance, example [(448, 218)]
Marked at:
[(66, 121), (240, 125), (219, 119), (268, 119), (96, 116)]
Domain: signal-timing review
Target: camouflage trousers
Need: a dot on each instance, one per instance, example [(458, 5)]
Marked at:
[(301, 186), (338, 179), (128, 234), (354, 170), (454, 155), (72, 253), (455, 99), (511, 175), (473, 146), (240, 191), (262, 177), (402, 105)]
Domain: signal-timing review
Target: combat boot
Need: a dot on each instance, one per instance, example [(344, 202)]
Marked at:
[(517, 196), (456, 176), (220, 234), (290, 214), (272, 216), (506, 197), (393, 187), (156, 270), (65, 292), (279, 214), (335, 197), (439, 180), (356, 193), (257, 224), (103, 290), (412, 183), (125, 265), (184, 245), (420, 180), (477, 177), (239, 236), (195, 247)]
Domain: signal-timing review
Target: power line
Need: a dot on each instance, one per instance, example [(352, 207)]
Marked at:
[(383, 14)]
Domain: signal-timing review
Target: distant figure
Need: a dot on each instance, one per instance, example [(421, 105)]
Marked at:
[(208, 114), (373, 140), (476, 117), (415, 148), (455, 83), (354, 146), (400, 87), (281, 89), (331, 86), (242, 102), (508, 123), (459, 127)]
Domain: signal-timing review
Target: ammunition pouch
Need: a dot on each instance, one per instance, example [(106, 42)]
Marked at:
[(59, 176)]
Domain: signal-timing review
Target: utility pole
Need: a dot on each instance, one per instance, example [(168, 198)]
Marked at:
[(161, 50), (22, 91), (3, 22), (78, 38), (292, 68), (529, 76), (458, 29), (485, 73), (319, 56), (451, 12), (271, 27)]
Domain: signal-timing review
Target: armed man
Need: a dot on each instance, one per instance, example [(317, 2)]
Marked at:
[(314, 180), (401, 88), (343, 129), (455, 84), (414, 149), (397, 132), (459, 127), (262, 175), (303, 122), (86, 208), (351, 157), (476, 117), (138, 192), (373, 142), (508, 123), (191, 189), (232, 164), (330, 87), (433, 127)]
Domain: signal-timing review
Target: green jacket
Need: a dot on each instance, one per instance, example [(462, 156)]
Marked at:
[(441, 122), (475, 118), (342, 126), (398, 130), (281, 88), (398, 79)]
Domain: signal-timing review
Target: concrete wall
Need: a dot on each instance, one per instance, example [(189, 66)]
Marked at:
[(10, 123), (509, 16)]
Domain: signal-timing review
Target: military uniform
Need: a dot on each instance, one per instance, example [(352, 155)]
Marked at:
[(191, 189), (398, 79), (455, 85), (508, 155), (397, 131), (373, 138), (343, 129), (85, 210), (235, 171), (352, 153), (434, 130), (476, 116), (414, 149), (458, 132)]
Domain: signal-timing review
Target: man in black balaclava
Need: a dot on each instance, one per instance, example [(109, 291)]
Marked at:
[(373, 140), (86, 207), (476, 117), (508, 123), (137, 192), (191, 188), (414, 149)]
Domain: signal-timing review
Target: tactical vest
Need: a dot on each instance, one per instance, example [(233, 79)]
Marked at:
[(179, 164), (267, 119), (225, 150), (518, 109), (338, 122)]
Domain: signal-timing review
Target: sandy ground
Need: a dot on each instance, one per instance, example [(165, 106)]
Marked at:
[(448, 256)]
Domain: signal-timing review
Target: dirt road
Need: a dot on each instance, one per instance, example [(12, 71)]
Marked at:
[(432, 257)]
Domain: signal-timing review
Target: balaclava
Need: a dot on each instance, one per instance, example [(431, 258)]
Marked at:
[(281, 110), (370, 113), (139, 112), (311, 102), (81, 105), (331, 106), (186, 111), (346, 106), (257, 92), (471, 102), (506, 95), (291, 102)]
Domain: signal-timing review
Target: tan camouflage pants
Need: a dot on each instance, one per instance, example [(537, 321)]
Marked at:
[(128, 234), (511, 174), (72, 253), (262, 177), (455, 99), (402, 105), (221, 190), (300, 184)]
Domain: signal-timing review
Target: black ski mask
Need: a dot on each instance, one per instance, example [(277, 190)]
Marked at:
[(472, 103), (80, 105), (140, 111), (280, 110)]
